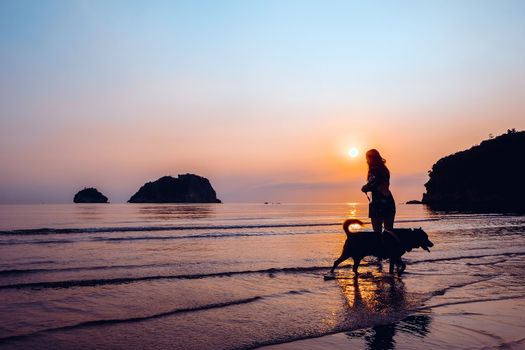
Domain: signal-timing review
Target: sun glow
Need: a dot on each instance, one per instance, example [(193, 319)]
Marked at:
[(353, 152)]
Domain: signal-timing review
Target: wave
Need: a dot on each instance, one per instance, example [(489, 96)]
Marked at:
[(135, 319), (512, 344), (45, 230), (82, 268), (470, 301), (462, 257), (58, 241), (205, 307), (444, 290), (112, 281), (126, 280), (14, 272), (158, 238), (212, 235)]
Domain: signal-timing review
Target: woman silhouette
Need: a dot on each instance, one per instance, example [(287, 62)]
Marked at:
[(382, 208)]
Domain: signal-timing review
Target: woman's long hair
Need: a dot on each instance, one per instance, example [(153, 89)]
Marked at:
[(374, 158)]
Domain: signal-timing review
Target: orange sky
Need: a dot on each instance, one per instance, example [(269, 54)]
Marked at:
[(262, 99)]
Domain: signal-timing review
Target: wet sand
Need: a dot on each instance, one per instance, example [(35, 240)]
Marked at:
[(490, 324)]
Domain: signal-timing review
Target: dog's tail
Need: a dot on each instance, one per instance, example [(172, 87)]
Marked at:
[(348, 222)]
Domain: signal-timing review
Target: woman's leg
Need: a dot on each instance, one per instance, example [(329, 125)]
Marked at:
[(377, 224), (389, 222), (390, 213)]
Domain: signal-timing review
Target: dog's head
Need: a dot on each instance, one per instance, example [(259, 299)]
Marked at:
[(421, 239)]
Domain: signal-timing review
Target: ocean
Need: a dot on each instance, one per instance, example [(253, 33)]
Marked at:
[(243, 276)]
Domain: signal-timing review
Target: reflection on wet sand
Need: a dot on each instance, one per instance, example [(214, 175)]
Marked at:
[(382, 337), (374, 293), (165, 212), (377, 297)]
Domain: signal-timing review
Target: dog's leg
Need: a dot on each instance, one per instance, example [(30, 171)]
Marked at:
[(357, 261), (401, 266), (337, 262)]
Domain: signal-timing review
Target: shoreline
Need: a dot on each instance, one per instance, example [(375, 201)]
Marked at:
[(480, 324)]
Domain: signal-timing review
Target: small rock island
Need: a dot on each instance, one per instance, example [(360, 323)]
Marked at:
[(485, 178), (187, 188), (90, 195)]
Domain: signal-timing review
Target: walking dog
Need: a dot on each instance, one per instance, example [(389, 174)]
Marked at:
[(388, 244)]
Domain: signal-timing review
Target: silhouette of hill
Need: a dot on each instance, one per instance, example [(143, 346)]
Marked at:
[(484, 178), (187, 188), (90, 195)]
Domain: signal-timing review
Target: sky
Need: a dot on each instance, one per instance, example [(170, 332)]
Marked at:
[(264, 98)]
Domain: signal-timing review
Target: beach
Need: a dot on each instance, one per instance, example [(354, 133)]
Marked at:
[(480, 323), (244, 276), (474, 325)]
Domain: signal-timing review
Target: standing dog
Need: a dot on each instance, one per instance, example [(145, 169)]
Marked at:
[(389, 244)]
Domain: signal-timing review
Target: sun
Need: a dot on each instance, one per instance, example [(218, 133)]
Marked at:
[(353, 152)]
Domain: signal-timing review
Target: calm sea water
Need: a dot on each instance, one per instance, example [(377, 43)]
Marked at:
[(231, 276)]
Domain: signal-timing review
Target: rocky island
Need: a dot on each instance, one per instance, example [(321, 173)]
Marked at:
[(485, 178), (90, 195), (187, 188)]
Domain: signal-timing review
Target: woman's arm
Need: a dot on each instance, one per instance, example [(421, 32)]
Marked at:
[(376, 177), (370, 185)]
